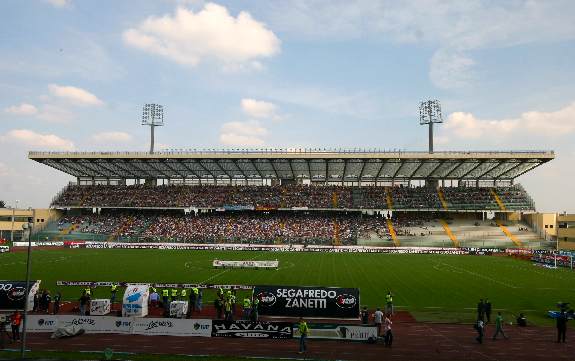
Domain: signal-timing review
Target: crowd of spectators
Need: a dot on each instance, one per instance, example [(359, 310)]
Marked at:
[(273, 197), (236, 227)]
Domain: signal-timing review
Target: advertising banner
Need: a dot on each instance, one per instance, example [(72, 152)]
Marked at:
[(172, 327), (13, 294), (99, 324), (317, 302), (245, 264), (178, 309), (41, 323), (99, 307), (339, 332), (96, 324), (135, 302), (250, 329), (234, 207)]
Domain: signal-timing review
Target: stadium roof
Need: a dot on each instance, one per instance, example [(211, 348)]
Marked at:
[(318, 165)]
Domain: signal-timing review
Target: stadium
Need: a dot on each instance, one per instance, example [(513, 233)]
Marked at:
[(419, 225), (294, 206)]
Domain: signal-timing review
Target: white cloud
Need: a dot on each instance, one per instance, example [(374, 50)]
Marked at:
[(212, 33), (259, 109), (58, 3), (74, 95), (47, 112), (112, 137), (454, 28), (55, 114), (550, 124), (449, 70), (249, 133), (22, 109), (35, 140)]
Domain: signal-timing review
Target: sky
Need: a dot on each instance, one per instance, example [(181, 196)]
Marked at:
[(74, 76)]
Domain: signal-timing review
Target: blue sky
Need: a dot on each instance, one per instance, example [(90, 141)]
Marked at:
[(75, 74)]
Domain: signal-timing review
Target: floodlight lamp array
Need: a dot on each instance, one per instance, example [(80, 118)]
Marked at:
[(153, 114), (430, 112)]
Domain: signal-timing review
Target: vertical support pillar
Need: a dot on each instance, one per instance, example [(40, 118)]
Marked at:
[(430, 137), (151, 139)]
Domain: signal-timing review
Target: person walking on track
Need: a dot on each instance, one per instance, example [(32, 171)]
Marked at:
[(499, 326), (378, 319), (15, 321), (304, 332), (561, 326)]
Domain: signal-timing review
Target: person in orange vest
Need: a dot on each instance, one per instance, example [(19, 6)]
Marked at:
[(15, 321)]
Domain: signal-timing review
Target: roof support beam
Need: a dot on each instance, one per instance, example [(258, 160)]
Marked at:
[(536, 164), (344, 170), (220, 168), (62, 168), (398, 169), (360, 176), (235, 163), (82, 169), (472, 169), (97, 170), (291, 168), (383, 163), (199, 162), (490, 169), (185, 165), (120, 165), (253, 164), (308, 171), (448, 175), (421, 163), (509, 169), (441, 163), (139, 168), (274, 168), (161, 172), (168, 165), (107, 166)]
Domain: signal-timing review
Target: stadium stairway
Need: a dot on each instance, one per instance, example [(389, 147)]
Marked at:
[(449, 233), (498, 200), (388, 198), (441, 196), (336, 238), (392, 232), (508, 233)]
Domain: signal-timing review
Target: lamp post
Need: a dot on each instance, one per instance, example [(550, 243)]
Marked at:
[(153, 116), (26, 226), (430, 113), (12, 227)]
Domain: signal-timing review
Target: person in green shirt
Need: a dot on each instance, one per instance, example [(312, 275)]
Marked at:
[(499, 326), (304, 332)]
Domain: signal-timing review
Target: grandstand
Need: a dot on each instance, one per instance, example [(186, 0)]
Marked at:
[(304, 196)]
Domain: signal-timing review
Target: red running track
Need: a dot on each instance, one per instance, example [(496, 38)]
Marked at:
[(413, 341)]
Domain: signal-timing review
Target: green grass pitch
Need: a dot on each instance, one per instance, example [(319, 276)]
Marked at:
[(431, 287)]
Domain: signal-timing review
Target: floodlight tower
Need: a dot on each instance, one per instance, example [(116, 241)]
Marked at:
[(429, 113), (153, 116)]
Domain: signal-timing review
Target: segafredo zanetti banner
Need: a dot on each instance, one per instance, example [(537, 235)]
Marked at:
[(318, 302)]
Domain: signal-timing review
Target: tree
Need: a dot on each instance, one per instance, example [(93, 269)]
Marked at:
[(2, 204)]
